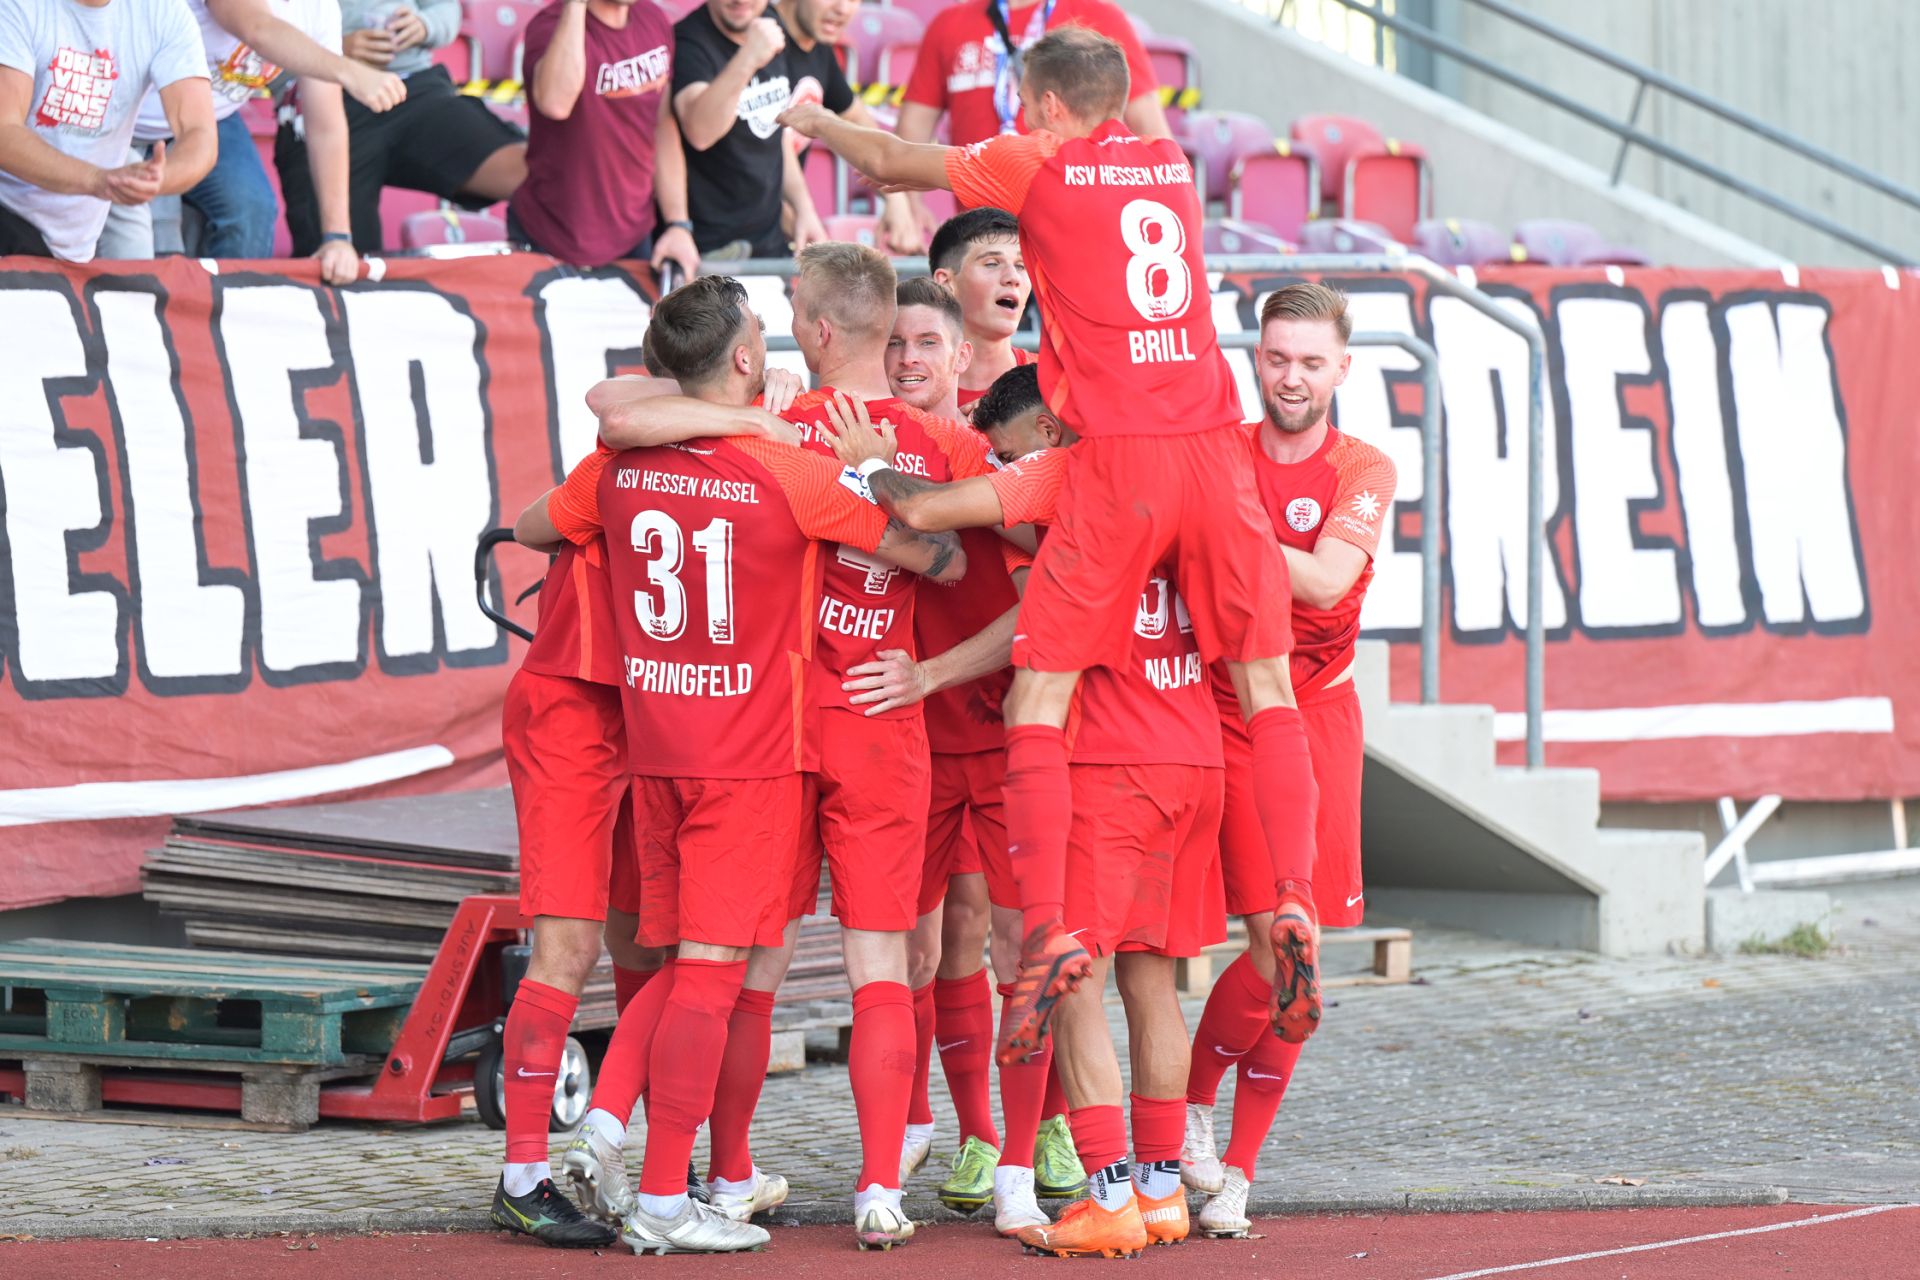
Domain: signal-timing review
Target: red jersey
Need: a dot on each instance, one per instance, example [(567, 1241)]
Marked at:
[(576, 637), (967, 717), (961, 55), (714, 543), (1110, 228), (866, 604), (1345, 491), (1161, 709), (967, 398)]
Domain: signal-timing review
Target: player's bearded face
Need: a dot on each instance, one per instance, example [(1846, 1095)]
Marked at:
[(736, 15), (824, 20), (1301, 362)]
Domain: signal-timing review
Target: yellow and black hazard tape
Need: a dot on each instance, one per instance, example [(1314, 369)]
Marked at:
[(494, 90), (891, 95), (1187, 99)]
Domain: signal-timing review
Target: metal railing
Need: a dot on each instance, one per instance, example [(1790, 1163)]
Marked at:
[(1438, 280), (1630, 135)]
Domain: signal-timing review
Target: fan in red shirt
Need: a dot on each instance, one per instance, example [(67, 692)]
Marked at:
[(1329, 496), (719, 548), (1142, 876), (1129, 360)]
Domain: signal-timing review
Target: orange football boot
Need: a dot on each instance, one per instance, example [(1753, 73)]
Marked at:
[(1295, 1008), (1165, 1218), (1086, 1229), (1051, 965)]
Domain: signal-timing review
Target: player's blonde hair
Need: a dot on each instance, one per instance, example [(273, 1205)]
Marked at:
[(851, 285), (1308, 300)]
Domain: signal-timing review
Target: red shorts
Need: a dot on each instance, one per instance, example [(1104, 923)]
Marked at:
[(1338, 744), (623, 885), (1143, 866), (566, 747), (716, 855), (869, 822), (967, 827), (1131, 503)]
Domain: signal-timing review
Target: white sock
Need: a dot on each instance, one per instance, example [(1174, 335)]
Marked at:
[(663, 1206), (721, 1186), (1010, 1180), (919, 1133), (868, 1196), (1157, 1179), (1111, 1186), (522, 1178), (607, 1125)]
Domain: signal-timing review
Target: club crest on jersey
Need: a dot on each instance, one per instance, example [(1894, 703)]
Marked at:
[(1303, 515)]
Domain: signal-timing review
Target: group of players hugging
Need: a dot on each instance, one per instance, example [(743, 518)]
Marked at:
[(1074, 677)]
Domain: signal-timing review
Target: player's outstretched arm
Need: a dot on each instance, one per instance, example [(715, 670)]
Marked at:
[(642, 422), (535, 526), (936, 556), (921, 505), (889, 160)]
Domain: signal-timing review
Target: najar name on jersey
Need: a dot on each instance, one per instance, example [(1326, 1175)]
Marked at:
[(689, 679), (1176, 672), (741, 491), (1129, 175)]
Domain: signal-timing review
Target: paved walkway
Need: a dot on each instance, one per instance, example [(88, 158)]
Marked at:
[(1505, 1076)]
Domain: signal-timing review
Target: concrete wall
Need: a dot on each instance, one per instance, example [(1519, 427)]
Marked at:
[(1834, 74), (1800, 829), (1482, 168)]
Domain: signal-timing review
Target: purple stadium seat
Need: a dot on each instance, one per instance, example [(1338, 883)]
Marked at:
[(496, 28), (397, 204), (1278, 188), (461, 57), (872, 33), (1390, 186), (855, 228), (1558, 242), (1341, 235), (1175, 63), (678, 9), (820, 166), (1218, 140), (1462, 242), (1228, 235), (1335, 139), (449, 226)]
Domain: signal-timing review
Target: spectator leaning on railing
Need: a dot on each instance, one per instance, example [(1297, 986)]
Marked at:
[(603, 148), (72, 73), (436, 140)]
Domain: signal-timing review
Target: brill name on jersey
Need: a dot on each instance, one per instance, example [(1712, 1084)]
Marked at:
[(689, 679), (742, 491)]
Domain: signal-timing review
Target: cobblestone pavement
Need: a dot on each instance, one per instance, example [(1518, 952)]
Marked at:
[(1503, 1075)]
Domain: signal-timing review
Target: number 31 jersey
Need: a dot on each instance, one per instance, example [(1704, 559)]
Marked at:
[(1110, 228), (714, 552)]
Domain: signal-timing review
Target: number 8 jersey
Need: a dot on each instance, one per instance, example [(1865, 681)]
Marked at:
[(715, 559), (1110, 227)]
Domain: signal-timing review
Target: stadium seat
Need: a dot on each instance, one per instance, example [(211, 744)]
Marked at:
[(873, 32), (1462, 242), (449, 226), (1391, 187), (1176, 65), (1335, 139), (922, 9), (1278, 188), (1229, 235), (1558, 242), (1342, 235), (821, 168), (678, 9), (1218, 140), (496, 28), (397, 204), (855, 228), (461, 57), (896, 63)]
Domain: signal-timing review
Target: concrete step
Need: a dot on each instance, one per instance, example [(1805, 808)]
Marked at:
[(1558, 809), (1450, 744), (1370, 682), (1655, 899)]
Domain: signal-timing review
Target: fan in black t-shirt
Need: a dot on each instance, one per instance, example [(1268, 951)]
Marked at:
[(737, 65)]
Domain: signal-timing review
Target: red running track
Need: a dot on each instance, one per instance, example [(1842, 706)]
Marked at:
[(1858, 1243)]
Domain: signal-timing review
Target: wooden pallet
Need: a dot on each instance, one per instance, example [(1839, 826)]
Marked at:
[(1392, 958), (99, 1003), (268, 1096)]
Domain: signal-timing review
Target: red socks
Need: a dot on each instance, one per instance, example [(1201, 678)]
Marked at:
[(623, 1070), (1285, 793), (1039, 806), (687, 1050), (536, 1033), (880, 1064), (1100, 1135), (627, 983), (1256, 1099), (1055, 1102), (1159, 1128), (1023, 1088), (1233, 1021), (963, 1023), (743, 1070), (919, 1106)]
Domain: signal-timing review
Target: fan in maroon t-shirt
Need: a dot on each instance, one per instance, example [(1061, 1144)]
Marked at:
[(602, 145)]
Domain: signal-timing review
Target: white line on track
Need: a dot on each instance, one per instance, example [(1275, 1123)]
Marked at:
[(1668, 1244)]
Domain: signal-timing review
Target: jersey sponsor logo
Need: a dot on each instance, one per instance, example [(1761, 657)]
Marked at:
[(689, 679), (79, 89), (1366, 506), (633, 76), (742, 491), (1303, 515)]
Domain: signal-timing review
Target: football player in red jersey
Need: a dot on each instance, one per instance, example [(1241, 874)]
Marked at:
[(1329, 497), (1142, 884), (716, 667), (1111, 229), (977, 255), (874, 781)]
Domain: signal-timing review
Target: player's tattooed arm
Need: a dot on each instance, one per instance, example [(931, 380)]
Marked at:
[(919, 504), (932, 555)]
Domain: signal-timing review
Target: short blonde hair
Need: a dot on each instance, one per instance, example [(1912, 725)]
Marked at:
[(851, 284), (1309, 301)]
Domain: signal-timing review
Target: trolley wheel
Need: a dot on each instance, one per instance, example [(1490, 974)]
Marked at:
[(490, 1084)]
